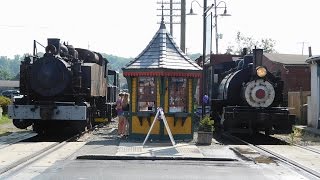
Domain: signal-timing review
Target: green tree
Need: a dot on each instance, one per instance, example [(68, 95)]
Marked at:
[(9, 67), (16, 77), (4, 74), (116, 62), (242, 41)]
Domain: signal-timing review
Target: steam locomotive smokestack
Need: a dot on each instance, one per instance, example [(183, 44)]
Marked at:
[(244, 51), (56, 43), (310, 51), (257, 58)]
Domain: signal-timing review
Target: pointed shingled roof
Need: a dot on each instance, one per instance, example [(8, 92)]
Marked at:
[(162, 55)]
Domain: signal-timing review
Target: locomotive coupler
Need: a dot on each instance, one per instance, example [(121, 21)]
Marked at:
[(46, 112)]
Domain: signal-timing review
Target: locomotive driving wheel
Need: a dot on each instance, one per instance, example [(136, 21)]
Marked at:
[(89, 119)]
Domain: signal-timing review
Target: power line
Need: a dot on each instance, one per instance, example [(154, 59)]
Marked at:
[(3, 26)]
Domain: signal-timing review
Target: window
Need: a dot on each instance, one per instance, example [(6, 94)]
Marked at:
[(178, 94), (146, 94)]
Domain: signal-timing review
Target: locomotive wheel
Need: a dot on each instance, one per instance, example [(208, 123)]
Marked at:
[(38, 128), (22, 124), (217, 124), (89, 120), (267, 132), (80, 126), (109, 118), (89, 125), (44, 128)]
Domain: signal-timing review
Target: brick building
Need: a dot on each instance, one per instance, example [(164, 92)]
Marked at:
[(294, 70)]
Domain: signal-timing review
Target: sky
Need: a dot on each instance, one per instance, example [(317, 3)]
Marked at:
[(125, 27)]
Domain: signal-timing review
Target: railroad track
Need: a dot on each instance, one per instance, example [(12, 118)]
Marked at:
[(264, 150), (15, 137), (308, 148), (8, 170)]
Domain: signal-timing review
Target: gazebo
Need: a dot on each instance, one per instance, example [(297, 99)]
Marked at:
[(162, 76)]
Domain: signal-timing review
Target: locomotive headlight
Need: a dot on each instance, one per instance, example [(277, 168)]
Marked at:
[(261, 71)]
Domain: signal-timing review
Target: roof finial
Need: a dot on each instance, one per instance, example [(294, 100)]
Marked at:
[(162, 25), (162, 19)]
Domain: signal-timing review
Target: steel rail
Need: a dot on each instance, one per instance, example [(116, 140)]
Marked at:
[(20, 164), (308, 148), (276, 155)]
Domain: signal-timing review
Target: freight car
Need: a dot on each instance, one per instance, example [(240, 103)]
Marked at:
[(67, 87), (249, 99)]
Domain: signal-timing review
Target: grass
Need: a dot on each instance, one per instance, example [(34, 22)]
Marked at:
[(5, 119)]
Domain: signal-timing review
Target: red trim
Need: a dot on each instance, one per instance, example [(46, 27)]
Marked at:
[(179, 74)]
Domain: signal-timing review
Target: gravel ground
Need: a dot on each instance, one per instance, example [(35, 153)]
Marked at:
[(299, 137)]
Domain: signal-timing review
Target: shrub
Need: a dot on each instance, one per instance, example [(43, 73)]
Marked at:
[(206, 124), (4, 102), (4, 119)]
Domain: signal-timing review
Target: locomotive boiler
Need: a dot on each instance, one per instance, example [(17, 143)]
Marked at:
[(66, 87), (249, 99)]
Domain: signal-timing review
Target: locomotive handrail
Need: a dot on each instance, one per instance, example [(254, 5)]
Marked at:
[(35, 47)]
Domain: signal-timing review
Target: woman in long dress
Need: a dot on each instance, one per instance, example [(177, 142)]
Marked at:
[(121, 129), (125, 108)]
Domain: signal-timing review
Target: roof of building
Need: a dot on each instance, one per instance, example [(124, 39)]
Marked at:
[(162, 53), (313, 59), (287, 58)]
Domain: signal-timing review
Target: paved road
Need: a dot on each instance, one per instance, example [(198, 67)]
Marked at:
[(93, 169), (65, 165)]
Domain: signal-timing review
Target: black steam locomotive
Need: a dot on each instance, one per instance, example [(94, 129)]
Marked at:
[(249, 99), (66, 87)]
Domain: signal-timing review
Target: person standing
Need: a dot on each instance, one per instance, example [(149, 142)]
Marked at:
[(205, 99), (125, 108), (120, 115)]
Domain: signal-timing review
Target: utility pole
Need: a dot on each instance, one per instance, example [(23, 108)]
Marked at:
[(303, 43), (173, 11), (204, 56), (171, 18), (183, 26), (216, 26)]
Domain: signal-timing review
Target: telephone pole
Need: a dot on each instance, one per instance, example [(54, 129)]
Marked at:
[(303, 43), (175, 9)]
